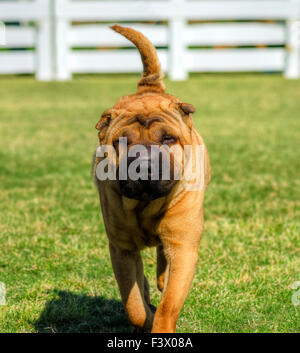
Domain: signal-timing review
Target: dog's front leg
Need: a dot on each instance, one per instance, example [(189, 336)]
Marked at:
[(128, 269), (182, 262)]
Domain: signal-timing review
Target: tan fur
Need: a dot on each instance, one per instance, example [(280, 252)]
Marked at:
[(173, 223)]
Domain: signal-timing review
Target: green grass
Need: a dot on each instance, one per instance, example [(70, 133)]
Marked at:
[(54, 256)]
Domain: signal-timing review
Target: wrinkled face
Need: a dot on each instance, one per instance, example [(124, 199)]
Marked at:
[(147, 133)]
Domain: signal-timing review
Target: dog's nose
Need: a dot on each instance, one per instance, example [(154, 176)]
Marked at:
[(144, 178), (146, 163), (143, 166)]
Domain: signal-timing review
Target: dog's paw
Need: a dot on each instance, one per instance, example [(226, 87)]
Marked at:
[(139, 330)]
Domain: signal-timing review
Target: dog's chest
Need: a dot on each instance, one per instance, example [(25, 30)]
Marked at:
[(148, 231), (140, 232), (140, 223)]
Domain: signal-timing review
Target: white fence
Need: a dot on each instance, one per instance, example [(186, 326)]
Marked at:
[(25, 36), (66, 36)]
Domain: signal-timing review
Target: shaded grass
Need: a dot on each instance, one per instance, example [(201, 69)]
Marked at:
[(54, 258)]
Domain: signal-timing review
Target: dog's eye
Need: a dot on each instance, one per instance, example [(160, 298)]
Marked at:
[(125, 142), (168, 139)]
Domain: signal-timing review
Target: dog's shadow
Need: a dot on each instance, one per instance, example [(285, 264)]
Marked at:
[(70, 312)]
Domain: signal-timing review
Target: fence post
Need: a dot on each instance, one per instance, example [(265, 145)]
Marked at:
[(177, 47), (44, 49), (292, 68), (61, 45)]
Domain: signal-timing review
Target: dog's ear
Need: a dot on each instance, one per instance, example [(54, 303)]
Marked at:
[(186, 110), (103, 123), (104, 120)]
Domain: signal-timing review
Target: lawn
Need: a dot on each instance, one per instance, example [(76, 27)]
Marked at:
[(54, 257)]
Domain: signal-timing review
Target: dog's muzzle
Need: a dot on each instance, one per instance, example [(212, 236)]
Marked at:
[(146, 178)]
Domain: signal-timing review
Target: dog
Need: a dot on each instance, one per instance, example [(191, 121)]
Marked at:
[(161, 213)]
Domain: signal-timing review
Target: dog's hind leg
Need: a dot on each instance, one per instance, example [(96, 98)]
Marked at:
[(128, 269), (161, 268), (146, 290)]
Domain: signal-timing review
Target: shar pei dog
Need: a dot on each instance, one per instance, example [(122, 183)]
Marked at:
[(151, 170)]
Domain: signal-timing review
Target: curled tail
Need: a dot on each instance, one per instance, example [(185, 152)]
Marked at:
[(152, 75)]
